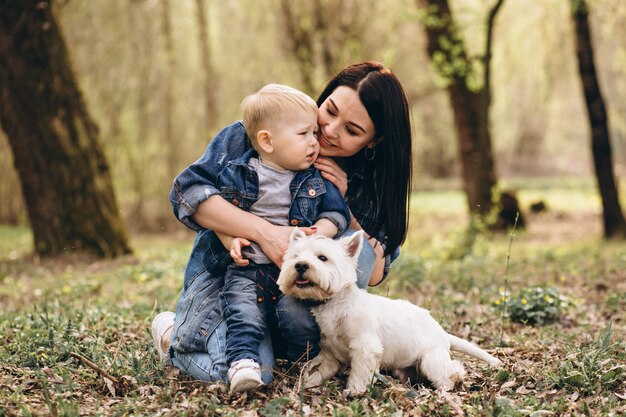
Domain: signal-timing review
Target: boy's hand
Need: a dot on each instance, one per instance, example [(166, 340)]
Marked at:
[(235, 250)]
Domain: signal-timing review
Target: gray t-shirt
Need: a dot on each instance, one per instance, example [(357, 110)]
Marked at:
[(273, 202)]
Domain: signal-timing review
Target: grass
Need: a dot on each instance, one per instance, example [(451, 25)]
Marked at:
[(59, 316)]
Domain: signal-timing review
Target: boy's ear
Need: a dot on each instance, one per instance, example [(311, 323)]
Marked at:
[(264, 139)]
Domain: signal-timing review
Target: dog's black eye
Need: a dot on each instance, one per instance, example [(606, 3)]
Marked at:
[(322, 258)]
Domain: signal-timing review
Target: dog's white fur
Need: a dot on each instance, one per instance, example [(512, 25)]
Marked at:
[(363, 330)]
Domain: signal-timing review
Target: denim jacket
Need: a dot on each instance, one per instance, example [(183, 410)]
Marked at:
[(199, 181), (198, 311), (224, 170), (313, 198)]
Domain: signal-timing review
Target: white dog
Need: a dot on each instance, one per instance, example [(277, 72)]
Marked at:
[(363, 330)]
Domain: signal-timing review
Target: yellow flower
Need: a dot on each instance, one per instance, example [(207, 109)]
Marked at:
[(524, 301), (548, 298), (497, 302), (562, 278)]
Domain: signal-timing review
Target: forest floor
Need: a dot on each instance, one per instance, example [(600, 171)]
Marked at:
[(76, 331)]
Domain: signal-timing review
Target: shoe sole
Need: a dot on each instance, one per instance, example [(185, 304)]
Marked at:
[(246, 385)]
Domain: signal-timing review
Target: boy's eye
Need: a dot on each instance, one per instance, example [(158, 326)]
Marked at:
[(322, 258)]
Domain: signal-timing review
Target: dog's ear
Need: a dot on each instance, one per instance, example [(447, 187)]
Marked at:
[(296, 234), (353, 244)]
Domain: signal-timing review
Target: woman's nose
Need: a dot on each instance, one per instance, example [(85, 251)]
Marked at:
[(331, 130)]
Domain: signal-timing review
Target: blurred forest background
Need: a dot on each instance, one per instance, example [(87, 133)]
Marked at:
[(161, 77)]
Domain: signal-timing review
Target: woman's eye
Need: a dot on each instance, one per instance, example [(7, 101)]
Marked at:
[(350, 131), (322, 258)]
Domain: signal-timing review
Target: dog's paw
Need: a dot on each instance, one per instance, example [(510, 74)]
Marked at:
[(313, 379), (355, 389)]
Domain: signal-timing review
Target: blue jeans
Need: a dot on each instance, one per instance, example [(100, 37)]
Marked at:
[(251, 302), (199, 334)]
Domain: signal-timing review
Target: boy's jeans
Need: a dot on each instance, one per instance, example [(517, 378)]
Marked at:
[(251, 302), (210, 364)]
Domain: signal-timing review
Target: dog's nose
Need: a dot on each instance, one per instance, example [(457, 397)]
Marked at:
[(301, 267)]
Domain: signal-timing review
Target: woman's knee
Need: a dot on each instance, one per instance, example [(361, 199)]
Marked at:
[(295, 318), (208, 364)]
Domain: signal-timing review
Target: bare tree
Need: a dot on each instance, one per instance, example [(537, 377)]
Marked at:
[(63, 171), (470, 98), (210, 85), (320, 32), (168, 85), (301, 43), (613, 219)]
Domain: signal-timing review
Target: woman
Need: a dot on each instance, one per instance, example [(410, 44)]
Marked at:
[(365, 151)]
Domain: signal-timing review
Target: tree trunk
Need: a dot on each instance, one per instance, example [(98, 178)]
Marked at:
[(210, 86), (470, 105), (62, 168), (300, 43), (614, 224), (169, 141)]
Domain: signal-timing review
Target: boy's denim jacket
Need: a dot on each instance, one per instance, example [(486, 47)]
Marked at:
[(224, 170)]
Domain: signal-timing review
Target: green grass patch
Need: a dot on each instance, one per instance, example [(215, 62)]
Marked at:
[(76, 337)]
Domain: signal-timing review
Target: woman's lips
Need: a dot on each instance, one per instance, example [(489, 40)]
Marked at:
[(324, 142)]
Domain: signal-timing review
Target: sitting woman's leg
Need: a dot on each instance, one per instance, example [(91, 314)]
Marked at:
[(298, 328), (211, 365), (198, 339)]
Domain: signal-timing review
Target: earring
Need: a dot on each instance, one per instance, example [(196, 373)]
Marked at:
[(370, 156)]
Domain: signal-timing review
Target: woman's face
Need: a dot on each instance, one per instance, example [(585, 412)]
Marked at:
[(345, 126)]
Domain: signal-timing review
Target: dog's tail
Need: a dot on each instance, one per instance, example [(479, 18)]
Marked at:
[(459, 345)]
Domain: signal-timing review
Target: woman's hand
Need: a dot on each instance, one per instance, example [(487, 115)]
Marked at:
[(275, 240), (333, 173)]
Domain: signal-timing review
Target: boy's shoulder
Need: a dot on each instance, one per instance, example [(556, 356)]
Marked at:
[(232, 141)]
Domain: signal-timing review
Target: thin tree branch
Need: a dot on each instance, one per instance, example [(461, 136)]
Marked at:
[(488, 46), (95, 367)]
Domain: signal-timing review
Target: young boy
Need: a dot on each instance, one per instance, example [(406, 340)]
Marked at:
[(274, 180)]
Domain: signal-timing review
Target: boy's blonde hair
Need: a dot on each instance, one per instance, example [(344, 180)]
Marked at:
[(270, 104)]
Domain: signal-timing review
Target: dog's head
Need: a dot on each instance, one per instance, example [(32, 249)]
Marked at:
[(316, 267)]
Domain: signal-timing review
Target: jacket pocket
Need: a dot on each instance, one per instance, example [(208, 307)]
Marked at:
[(309, 198)]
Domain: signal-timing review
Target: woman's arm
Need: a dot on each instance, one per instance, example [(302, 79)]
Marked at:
[(325, 227), (378, 272), (220, 216)]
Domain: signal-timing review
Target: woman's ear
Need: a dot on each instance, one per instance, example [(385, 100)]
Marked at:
[(374, 143), (264, 139)]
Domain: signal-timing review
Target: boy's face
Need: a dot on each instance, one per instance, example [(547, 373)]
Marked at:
[(294, 141)]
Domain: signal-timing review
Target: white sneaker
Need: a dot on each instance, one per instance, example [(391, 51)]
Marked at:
[(244, 375), (162, 325)]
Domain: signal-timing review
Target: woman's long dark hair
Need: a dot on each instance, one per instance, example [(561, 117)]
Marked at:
[(387, 177)]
